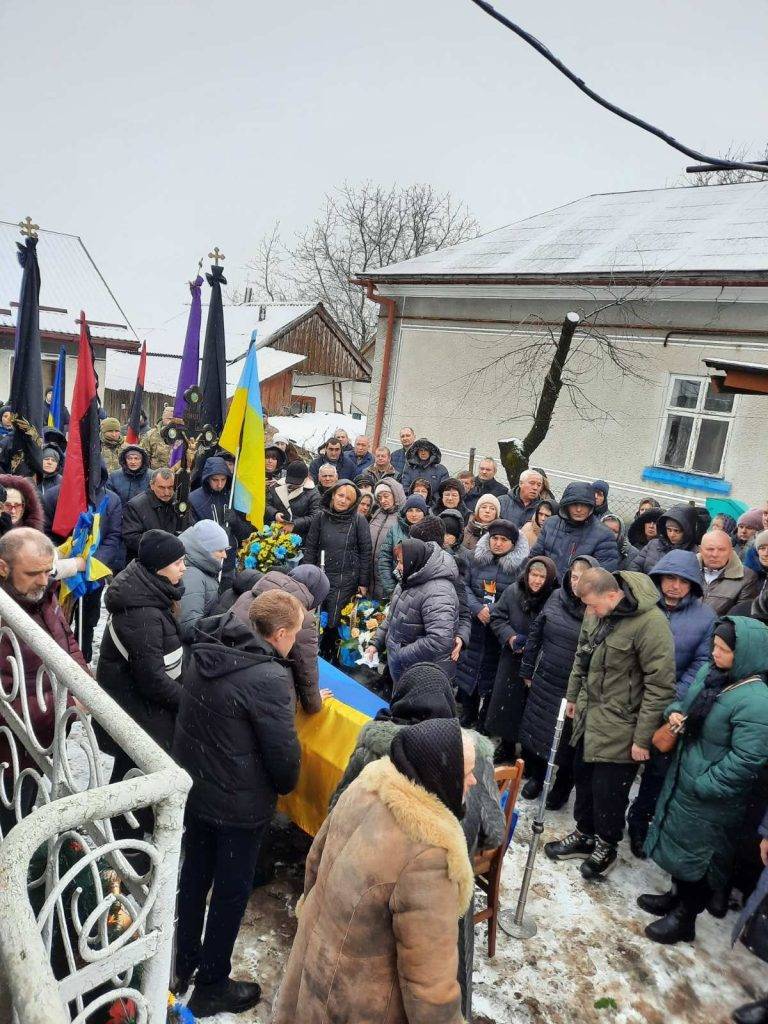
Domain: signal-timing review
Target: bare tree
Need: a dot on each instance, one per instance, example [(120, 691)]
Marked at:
[(533, 365), (359, 228), (730, 177)]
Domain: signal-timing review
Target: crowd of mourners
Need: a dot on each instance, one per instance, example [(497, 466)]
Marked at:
[(501, 603)]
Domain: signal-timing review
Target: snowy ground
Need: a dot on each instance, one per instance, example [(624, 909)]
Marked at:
[(590, 946)]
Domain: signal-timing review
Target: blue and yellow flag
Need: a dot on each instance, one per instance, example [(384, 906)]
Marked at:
[(56, 410), (243, 435), (85, 539)]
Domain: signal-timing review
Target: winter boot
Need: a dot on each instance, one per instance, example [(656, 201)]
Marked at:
[(637, 837), (752, 1013), (531, 790), (600, 861), (718, 902), (658, 904), (227, 996), (576, 844), (679, 925), (505, 753)]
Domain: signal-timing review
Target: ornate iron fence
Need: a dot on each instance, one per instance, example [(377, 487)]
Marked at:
[(87, 900)]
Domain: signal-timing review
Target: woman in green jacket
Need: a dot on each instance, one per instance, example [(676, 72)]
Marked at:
[(723, 746)]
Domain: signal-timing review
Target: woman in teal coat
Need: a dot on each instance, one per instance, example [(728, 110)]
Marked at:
[(723, 746)]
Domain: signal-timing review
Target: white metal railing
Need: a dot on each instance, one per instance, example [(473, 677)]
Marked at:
[(63, 780)]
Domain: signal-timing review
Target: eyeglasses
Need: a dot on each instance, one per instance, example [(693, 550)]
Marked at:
[(11, 506)]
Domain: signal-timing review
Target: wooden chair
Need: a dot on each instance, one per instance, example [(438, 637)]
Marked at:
[(509, 779)]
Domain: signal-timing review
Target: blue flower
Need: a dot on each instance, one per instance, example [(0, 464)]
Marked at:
[(295, 539), (345, 632), (249, 562), (280, 551), (323, 619), (255, 548), (267, 531)]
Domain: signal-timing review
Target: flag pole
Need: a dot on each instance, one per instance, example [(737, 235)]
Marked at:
[(80, 623)]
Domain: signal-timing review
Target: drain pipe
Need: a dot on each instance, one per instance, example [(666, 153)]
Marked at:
[(390, 305)]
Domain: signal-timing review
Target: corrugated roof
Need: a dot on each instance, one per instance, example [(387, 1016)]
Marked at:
[(163, 370), (710, 228), (69, 280)]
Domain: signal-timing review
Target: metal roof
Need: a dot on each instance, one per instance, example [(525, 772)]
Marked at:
[(722, 228), (162, 372), (69, 281)]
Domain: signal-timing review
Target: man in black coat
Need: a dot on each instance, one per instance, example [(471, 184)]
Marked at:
[(153, 509), (485, 483), (236, 737)]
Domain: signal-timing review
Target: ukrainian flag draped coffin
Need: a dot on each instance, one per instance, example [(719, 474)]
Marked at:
[(327, 740), (243, 435)]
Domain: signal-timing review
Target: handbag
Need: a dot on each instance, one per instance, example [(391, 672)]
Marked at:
[(665, 737), (755, 935)]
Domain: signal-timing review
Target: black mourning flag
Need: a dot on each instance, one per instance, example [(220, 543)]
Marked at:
[(27, 382), (213, 373)]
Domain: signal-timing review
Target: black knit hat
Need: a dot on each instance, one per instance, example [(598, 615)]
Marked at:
[(157, 549), (504, 528), (296, 473), (430, 528), (726, 630), (431, 754)]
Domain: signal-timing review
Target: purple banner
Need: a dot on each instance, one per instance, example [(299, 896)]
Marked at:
[(190, 360)]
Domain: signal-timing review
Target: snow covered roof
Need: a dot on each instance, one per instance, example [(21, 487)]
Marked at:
[(240, 320), (69, 281), (163, 370), (712, 228)]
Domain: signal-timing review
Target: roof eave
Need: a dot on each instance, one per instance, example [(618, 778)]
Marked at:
[(657, 278)]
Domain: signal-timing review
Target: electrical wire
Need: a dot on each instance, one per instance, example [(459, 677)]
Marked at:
[(711, 162)]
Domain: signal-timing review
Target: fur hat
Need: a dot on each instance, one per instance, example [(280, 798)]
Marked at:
[(430, 528), (752, 519), (504, 528)]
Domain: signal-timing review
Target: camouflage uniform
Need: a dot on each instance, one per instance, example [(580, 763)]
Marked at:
[(158, 449)]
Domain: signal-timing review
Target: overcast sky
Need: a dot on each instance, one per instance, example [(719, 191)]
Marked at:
[(156, 130)]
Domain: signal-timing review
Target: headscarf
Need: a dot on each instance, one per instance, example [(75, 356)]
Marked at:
[(415, 556), (423, 692), (431, 754)]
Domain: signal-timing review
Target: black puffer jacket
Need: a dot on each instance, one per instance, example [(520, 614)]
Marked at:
[(433, 471), (685, 517), (548, 660), (147, 512), (127, 483), (487, 578), (302, 502), (423, 616), (636, 530), (140, 657), (235, 733), (345, 541), (511, 619)]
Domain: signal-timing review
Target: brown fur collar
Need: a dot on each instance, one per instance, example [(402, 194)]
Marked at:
[(424, 819)]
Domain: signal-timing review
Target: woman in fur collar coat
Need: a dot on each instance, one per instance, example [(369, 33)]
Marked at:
[(294, 501), (495, 564), (387, 879)]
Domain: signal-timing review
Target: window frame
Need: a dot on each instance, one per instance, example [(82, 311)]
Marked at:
[(698, 414)]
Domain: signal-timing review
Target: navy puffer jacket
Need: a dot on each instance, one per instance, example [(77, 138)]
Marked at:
[(691, 622), (127, 483), (548, 660), (648, 556), (562, 540), (488, 576), (423, 616)]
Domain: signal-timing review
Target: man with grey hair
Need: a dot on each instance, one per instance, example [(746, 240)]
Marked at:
[(520, 504), (726, 580), (26, 566), (327, 475), (360, 459), (486, 483), (154, 509)]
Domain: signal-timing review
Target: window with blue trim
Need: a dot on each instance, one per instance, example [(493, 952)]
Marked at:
[(696, 426)]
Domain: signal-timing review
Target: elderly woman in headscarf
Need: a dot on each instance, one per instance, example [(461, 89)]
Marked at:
[(719, 753), (387, 880)]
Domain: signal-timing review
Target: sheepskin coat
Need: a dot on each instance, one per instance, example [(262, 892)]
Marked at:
[(387, 879)]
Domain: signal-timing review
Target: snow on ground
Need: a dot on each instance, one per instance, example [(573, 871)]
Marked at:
[(590, 945), (310, 429)]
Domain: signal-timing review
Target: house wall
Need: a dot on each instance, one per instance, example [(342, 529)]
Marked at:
[(49, 360), (453, 378), (313, 385)]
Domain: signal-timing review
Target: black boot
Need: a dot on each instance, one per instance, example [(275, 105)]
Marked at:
[(637, 838), (658, 904), (577, 844), (679, 925), (600, 861), (531, 790), (752, 1013), (227, 996), (718, 902)]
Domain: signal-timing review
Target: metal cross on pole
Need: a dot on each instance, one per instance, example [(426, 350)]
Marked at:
[(28, 228), (216, 256)]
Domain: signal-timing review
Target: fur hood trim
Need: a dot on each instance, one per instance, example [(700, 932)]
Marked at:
[(285, 494), (508, 563), (424, 819)]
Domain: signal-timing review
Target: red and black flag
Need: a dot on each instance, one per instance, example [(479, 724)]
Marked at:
[(133, 433), (26, 399), (82, 469), (213, 372)]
